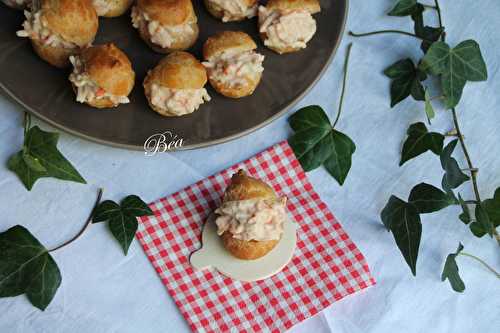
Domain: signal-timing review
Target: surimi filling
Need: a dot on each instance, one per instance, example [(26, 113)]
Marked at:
[(286, 29), (160, 35), (35, 27), (177, 102), (102, 7), (234, 9), (233, 69), (253, 219), (17, 3), (86, 89)]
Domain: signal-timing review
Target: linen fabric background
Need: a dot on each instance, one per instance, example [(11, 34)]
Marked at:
[(103, 291)]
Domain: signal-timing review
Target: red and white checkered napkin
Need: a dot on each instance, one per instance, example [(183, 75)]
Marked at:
[(326, 266)]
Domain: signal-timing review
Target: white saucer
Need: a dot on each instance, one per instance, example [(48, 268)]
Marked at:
[(213, 254)]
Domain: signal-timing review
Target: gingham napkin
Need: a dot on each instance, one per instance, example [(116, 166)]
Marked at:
[(326, 266)]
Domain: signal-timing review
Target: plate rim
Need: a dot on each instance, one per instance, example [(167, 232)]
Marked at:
[(210, 143)]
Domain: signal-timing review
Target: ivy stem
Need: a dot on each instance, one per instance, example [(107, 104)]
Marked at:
[(473, 171), (27, 123), (386, 32), (87, 223), (482, 262), (344, 81), (438, 10)]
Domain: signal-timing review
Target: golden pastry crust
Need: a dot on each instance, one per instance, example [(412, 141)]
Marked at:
[(110, 69), (226, 40), (75, 20), (236, 41), (118, 8), (243, 187), (169, 12), (312, 6), (216, 12), (178, 70), (56, 56)]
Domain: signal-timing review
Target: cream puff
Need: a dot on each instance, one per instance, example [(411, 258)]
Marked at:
[(175, 87), (166, 25), (111, 8), (60, 28), (287, 25), (234, 68), (102, 76), (17, 4), (251, 218), (232, 10)]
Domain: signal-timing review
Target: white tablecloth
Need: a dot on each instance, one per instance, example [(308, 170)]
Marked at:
[(103, 291)]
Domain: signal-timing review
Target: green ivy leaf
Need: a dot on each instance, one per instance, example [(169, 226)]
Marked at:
[(316, 143), (406, 81), (41, 158), (403, 220), (456, 66), (26, 267), (429, 110), (122, 219), (492, 208), (403, 8), (465, 215), (450, 271), (454, 177), (428, 34), (428, 199), (483, 219), (419, 141)]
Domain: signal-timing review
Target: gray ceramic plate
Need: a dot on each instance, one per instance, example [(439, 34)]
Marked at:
[(46, 92)]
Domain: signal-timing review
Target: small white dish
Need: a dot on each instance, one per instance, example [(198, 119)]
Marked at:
[(214, 255)]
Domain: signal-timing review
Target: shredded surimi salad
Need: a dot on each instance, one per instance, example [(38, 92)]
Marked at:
[(177, 102), (234, 9), (161, 35), (87, 89), (36, 28), (233, 69), (286, 28)]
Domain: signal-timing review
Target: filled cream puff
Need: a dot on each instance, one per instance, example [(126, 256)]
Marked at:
[(17, 4), (251, 218), (232, 10), (60, 28), (111, 8), (234, 68), (175, 87), (102, 76), (166, 25), (287, 25)]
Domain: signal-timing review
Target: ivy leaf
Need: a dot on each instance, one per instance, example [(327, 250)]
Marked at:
[(428, 199), (406, 81), (316, 143), (429, 110), (450, 271), (339, 162), (454, 177), (483, 219), (419, 141), (41, 158), (403, 8), (492, 208), (456, 66), (465, 215), (428, 34), (26, 267), (122, 219), (403, 220)]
